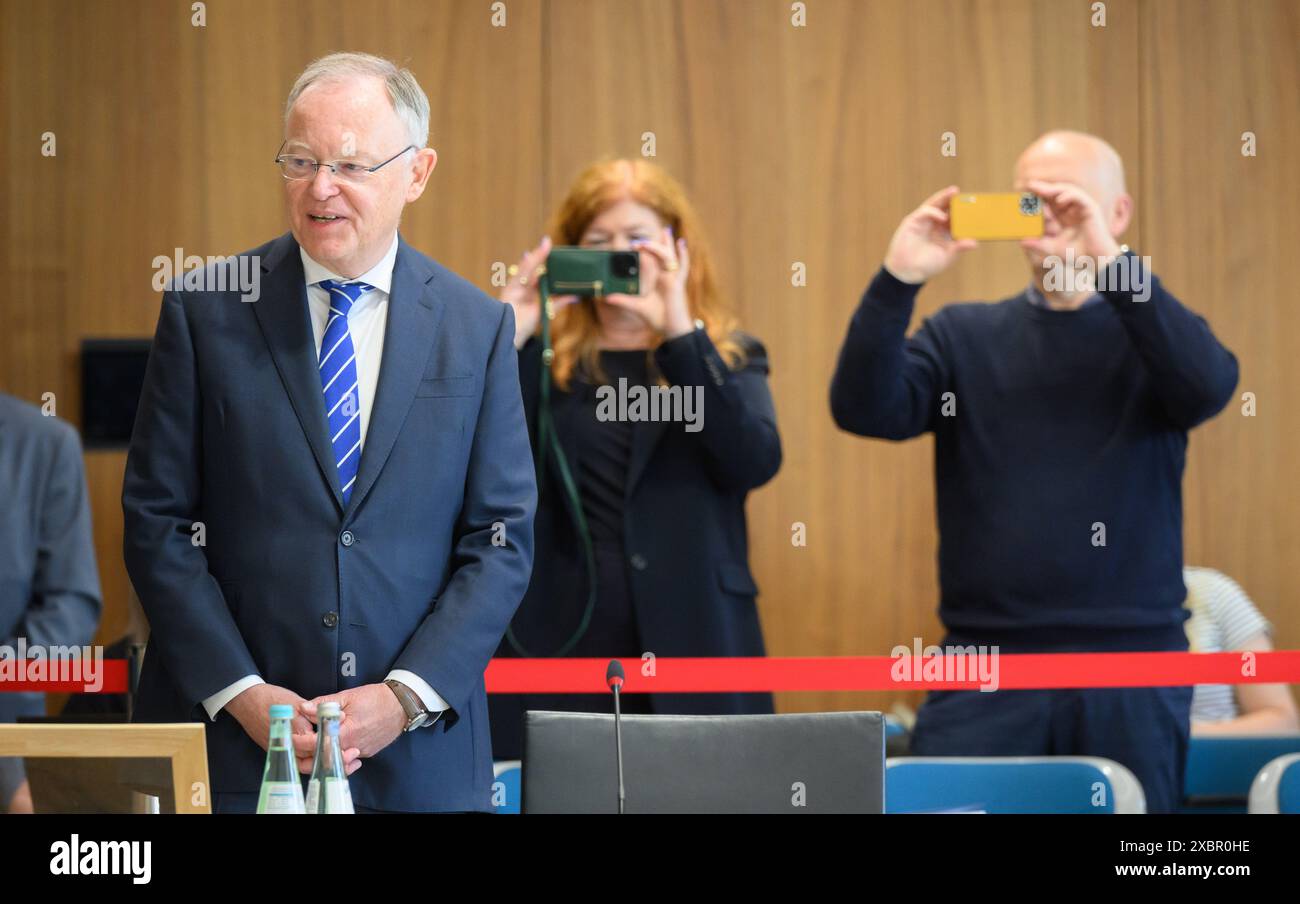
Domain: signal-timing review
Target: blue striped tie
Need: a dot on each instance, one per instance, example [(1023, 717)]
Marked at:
[(338, 377)]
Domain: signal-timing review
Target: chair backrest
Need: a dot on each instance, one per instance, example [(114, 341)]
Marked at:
[(1048, 784), (1222, 768), (1277, 787), (505, 787), (786, 763)]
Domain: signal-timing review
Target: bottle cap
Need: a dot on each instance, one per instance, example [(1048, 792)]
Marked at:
[(281, 711), (330, 709)]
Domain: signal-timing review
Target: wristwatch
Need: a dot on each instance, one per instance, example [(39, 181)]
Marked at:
[(412, 706)]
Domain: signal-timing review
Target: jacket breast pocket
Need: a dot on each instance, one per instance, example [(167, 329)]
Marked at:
[(439, 387)]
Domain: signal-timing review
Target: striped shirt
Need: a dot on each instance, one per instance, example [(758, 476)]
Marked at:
[(1222, 618)]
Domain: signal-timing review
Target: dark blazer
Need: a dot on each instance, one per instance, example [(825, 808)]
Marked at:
[(684, 524), (49, 586), (292, 585)]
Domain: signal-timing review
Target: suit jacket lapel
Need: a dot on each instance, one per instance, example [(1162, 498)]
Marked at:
[(285, 320), (413, 315)]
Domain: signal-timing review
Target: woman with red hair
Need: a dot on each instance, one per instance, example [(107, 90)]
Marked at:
[(641, 546)]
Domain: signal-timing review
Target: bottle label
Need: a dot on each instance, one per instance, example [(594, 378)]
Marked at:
[(338, 797), (280, 797)]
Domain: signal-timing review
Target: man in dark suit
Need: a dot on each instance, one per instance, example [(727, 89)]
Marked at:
[(49, 586), (330, 493)]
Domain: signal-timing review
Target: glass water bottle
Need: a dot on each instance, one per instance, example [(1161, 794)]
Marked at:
[(281, 785), (328, 790)]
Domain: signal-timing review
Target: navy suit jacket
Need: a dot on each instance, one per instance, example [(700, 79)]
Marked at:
[(421, 570), (49, 587)]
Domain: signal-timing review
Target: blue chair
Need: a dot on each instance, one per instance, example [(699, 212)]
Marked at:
[(1220, 769), (506, 791), (1033, 784), (1277, 787)]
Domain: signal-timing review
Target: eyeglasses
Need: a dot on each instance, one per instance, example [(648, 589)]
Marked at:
[(295, 168)]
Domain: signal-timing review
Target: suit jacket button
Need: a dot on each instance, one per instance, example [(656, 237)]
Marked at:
[(347, 538), (639, 562), (330, 619)]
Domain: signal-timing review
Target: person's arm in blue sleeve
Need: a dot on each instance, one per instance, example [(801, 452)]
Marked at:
[(886, 385), (452, 646), (191, 625), (65, 604), (738, 419), (1191, 371)]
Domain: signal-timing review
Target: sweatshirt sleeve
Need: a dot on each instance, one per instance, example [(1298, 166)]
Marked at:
[(887, 385), (1193, 374)]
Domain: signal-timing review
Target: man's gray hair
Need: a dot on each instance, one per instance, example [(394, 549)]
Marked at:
[(403, 90)]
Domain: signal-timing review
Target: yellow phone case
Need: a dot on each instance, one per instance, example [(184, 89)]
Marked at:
[(996, 215)]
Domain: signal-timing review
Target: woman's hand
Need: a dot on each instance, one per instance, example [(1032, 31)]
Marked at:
[(520, 292), (664, 307)]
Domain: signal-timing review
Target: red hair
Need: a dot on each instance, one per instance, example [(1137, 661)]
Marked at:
[(576, 329)]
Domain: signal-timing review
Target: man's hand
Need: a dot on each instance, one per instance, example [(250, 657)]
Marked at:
[(252, 710), (922, 246), (1082, 225), (372, 718)]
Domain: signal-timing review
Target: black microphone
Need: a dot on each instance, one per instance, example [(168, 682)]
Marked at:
[(614, 679)]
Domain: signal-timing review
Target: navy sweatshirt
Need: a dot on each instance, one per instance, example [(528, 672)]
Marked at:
[(1060, 425)]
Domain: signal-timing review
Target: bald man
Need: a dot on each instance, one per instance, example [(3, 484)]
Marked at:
[(1060, 419)]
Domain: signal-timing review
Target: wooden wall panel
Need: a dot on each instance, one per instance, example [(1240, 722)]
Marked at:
[(797, 144), (484, 90), (1222, 233), (808, 145), (114, 82)]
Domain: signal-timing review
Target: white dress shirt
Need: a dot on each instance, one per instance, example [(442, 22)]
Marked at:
[(367, 320)]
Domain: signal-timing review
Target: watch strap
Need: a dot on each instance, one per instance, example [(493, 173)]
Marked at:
[(412, 706)]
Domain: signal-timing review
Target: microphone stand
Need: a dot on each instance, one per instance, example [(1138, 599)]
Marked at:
[(614, 678)]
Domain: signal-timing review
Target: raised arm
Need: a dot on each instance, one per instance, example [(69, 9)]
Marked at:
[(886, 385), (1192, 373), (738, 431)]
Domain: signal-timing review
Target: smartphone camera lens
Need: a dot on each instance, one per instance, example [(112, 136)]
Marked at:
[(1029, 204), (625, 264)]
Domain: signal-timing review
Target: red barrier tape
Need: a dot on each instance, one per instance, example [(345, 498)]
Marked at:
[(111, 679), (1008, 671), (1013, 671)]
